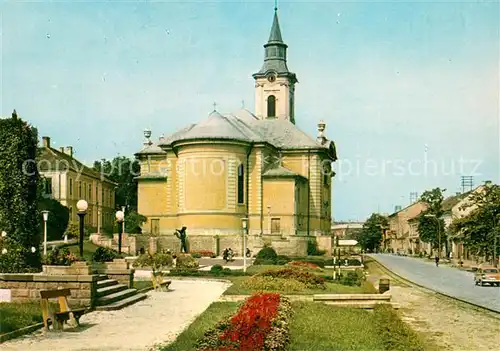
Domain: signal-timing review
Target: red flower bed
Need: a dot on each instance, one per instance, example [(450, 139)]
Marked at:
[(303, 264), (260, 323), (204, 253)]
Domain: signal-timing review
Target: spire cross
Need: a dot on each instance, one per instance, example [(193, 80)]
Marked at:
[(215, 106), (275, 5)]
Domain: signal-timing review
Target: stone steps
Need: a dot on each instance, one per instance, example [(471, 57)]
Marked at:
[(111, 289), (122, 303), (112, 295)]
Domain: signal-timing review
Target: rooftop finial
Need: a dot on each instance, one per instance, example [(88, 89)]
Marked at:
[(275, 5), (14, 114), (147, 135), (215, 106)]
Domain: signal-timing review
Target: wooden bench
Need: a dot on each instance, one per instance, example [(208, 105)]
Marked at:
[(158, 282), (65, 313)]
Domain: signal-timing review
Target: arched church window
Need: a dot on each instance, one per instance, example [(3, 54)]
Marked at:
[(241, 184), (271, 106)]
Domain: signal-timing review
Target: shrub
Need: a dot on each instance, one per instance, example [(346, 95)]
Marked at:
[(317, 261), (157, 262), (103, 254), (310, 280), (312, 249), (72, 230), (353, 278), (195, 255), (60, 257), (192, 272), (267, 253), (186, 261), (203, 253), (262, 262), (216, 268), (263, 283)]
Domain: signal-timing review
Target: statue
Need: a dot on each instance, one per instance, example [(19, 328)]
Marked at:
[(181, 234)]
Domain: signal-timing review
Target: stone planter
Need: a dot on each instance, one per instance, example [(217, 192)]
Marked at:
[(76, 268)]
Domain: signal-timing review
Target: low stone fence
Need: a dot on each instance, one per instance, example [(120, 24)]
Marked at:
[(22, 287), (119, 270), (367, 301)]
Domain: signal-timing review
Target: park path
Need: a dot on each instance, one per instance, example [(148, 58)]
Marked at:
[(446, 280), (153, 321)]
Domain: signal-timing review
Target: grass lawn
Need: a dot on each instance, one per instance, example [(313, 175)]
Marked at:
[(331, 288), (19, 315), (317, 326), (212, 315)]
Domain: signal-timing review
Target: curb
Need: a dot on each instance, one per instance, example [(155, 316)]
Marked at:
[(20, 332), (435, 291)]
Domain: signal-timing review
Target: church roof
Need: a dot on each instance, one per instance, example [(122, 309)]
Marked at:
[(275, 35), (281, 172), (244, 126)]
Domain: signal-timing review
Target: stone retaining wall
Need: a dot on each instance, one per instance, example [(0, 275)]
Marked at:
[(25, 286), (119, 270)]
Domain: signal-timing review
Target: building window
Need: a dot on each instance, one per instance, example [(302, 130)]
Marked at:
[(70, 187), (241, 184), (271, 106), (275, 226), (325, 179), (155, 226), (80, 190), (47, 186), (90, 192)]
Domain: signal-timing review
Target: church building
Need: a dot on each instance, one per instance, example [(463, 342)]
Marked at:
[(231, 171)]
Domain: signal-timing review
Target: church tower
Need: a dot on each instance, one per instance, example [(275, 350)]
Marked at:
[(274, 83)]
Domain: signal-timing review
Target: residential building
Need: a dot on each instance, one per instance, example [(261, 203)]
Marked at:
[(67, 180), (402, 233)]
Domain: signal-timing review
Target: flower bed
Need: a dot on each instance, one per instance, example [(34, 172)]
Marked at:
[(261, 323), (303, 264), (310, 280), (203, 253)]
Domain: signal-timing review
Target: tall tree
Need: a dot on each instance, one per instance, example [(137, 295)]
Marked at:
[(430, 224), (19, 216), (479, 229), (121, 170), (370, 237)]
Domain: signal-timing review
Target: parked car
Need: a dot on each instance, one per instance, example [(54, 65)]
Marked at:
[(487, 275)]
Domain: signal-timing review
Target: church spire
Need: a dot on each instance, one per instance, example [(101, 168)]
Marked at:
[(275, 35)]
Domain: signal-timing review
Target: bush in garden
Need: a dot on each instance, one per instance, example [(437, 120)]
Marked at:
[(216, 268), (19, 193), (203, 253), (262, 262), (60, 257), (186, 261), (312, 249), (353, 278), (259, 283), (267, 253), (156, 262), (103, 254), (310, 280), (196, 255)]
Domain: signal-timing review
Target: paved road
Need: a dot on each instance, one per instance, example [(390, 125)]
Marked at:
[(446, 280)]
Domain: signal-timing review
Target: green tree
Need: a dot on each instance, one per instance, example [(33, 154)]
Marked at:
[(19, 216), (58, 218), (134, 222), (121, 170), (430, 224), (370, 237), (479, 229)]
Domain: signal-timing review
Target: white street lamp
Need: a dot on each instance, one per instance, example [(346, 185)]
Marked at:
[(244, 224), (45, 214), (82, 207), (120, 216), (123, 221)]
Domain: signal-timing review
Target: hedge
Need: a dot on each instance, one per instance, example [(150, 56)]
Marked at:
[(19, 216)]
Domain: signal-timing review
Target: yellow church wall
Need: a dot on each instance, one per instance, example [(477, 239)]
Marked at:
[(152, 197), (279, 194)]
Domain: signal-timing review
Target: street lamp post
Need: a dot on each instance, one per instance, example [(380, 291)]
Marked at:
[(438, 232), (82, 207), (119, 218), (45, 215), (244, 224), (123, 222)]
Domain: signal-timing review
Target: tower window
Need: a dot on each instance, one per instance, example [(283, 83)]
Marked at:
[(271, 106), (241, 184)]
